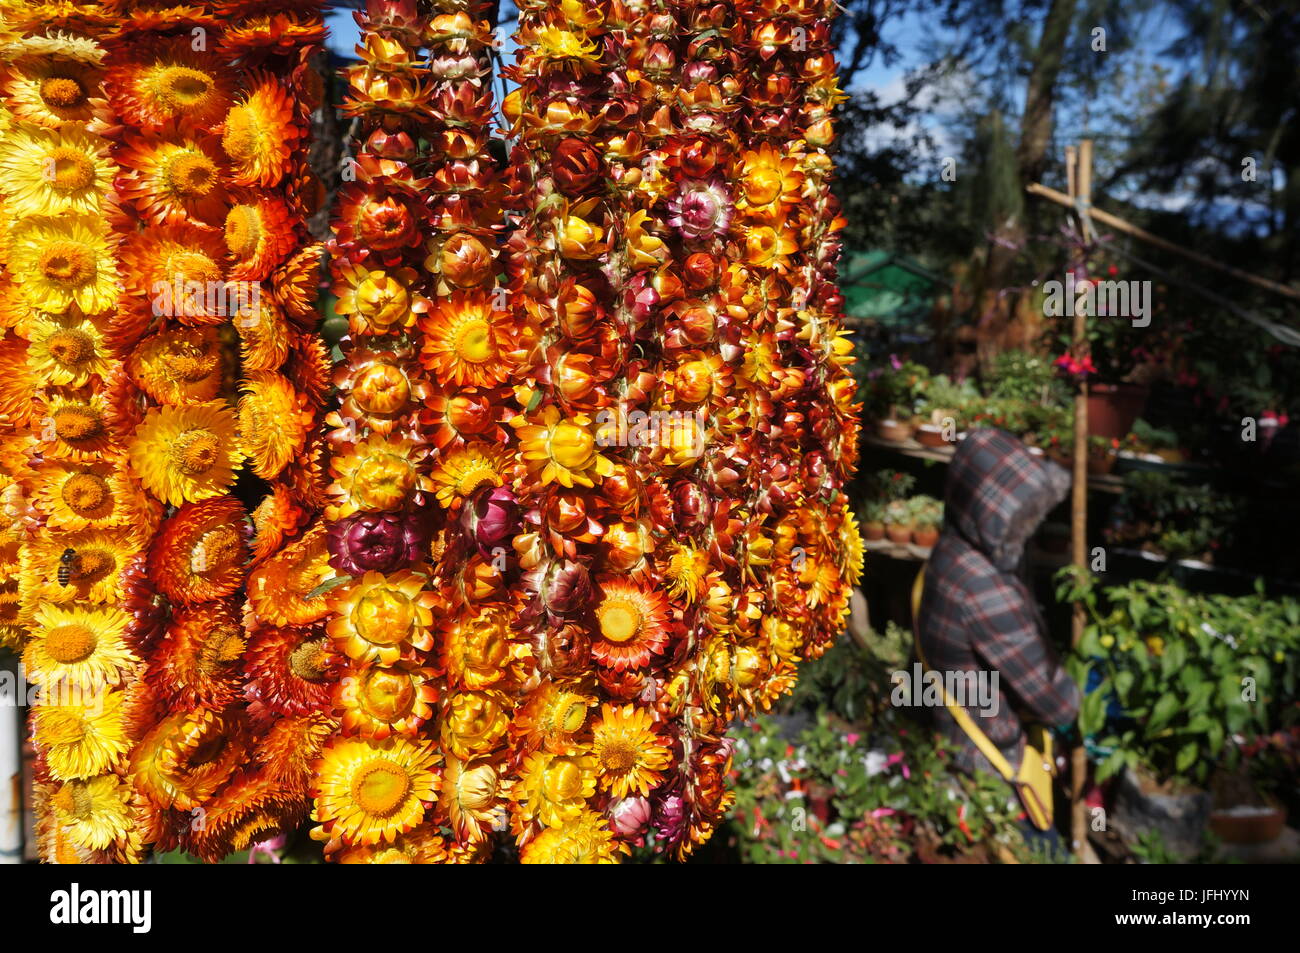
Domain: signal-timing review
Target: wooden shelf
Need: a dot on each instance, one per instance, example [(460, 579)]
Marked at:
[(909, 552), (1100, 483)]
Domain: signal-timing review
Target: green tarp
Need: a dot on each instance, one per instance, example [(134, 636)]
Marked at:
[(887, 288)]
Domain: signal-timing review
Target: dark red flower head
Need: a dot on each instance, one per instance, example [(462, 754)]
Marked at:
[(375, 542)]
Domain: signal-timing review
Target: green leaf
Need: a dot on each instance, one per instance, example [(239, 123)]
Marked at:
[(327, 585), (1137, 608), (1174, 659), (1164, 710), (1078, 668), (1111, 765), (1090, 644), (1092, 713), (1199, 695), (1186, 757), (1215, 734)]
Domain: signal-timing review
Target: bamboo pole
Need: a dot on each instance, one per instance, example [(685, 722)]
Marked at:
[(1082, 182), (1120, 225)]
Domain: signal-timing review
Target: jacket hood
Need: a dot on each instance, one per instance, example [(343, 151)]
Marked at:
[(998, 492)]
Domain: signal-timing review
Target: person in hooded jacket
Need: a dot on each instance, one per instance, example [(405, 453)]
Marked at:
[(976, 614)]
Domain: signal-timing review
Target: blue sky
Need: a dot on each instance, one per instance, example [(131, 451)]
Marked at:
[(909, 32)]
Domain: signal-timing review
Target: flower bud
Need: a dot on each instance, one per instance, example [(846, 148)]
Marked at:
[(576, 167)]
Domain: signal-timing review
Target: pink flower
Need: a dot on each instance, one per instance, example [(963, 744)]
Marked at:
[(630, 815), (270, 848), (1072, 367), (898, 759), (670, 817), (701, 208), (852, 738)]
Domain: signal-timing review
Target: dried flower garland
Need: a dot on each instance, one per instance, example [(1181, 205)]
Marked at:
[(227, 373), (83, 523), (163, 231), (414, 269), (577, 500)]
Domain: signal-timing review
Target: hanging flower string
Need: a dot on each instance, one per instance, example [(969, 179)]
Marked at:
[(413, 262), (174, 145), (83, 523)]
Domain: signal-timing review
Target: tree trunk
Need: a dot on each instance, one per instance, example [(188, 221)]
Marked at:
[(1031, 160)]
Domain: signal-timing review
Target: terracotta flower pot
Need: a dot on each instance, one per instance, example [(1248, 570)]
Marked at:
[(929, 435), (873, 531), (1112, 408), (898, 533), (895, 430), (1057, 455), (1099, 464), (925, 536), (1248, 825)]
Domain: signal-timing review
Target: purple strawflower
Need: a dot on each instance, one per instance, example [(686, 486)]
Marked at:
[(701, 208), (375, 542), (491, 518)]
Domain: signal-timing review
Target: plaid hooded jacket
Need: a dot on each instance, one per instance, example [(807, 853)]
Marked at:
[(976, 614)]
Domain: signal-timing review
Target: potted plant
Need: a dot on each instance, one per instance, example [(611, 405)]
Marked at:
[(1180, 682), (899, 521), (1056, 439), (894, 429), (1112, 408), (873, 521), (1158, 444), (1243, 814), (937, 430), (927, 514), (1101, 454), (1118, 365), (1026, 378), (891, 398), (1173, 520), (943, 410)]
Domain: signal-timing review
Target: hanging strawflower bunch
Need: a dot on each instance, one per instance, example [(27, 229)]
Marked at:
[(227, 383), (75, 524), (683, 421), (155, 195), (416, 436), (565, 502)]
